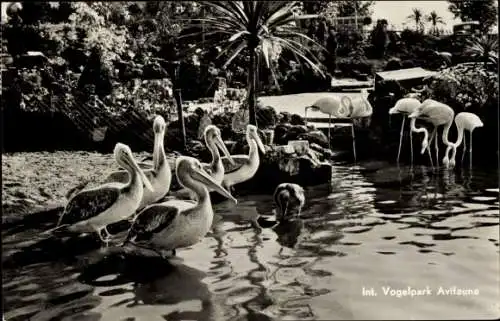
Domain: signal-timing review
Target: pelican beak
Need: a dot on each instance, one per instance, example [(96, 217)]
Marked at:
[(220, 143), (203, 177), (145, 179), (259, 143)]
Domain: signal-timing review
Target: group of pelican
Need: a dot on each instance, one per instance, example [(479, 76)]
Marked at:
[(438, 114), (137, 193)]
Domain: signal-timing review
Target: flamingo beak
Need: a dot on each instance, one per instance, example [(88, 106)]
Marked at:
[(220, 143), (202, 176)]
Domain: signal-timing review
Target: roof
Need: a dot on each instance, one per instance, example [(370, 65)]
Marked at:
[(404, 74)]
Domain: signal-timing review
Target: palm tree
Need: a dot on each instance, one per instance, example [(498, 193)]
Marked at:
[(435, 20), (259, 28), (485, 48), (417, 17)]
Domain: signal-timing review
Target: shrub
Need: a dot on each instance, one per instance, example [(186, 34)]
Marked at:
[(466, 87)]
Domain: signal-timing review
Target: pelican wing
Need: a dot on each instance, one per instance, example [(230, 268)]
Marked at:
[(123, 176), (239, 160), (181, 205), (151, 220), (89, 203)]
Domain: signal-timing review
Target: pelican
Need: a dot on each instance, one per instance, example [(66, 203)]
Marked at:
[(175, 224), (93, 209), (246, 165), (214, 142), (160, 175), (288, 197)]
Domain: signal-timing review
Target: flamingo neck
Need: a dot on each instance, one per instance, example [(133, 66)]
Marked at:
[(455, 145), (425, 140)]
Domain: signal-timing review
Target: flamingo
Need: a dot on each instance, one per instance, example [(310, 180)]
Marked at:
[(175, 224), (405, 106), (214, 142), (335, 106), (288, 196), (93, 209), (464, 121), (246, 165), (438, 114), (160, 175)]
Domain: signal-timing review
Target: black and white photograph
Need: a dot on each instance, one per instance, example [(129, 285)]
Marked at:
[(250, 160)]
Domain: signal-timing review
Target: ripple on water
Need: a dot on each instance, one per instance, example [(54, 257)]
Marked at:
[(359, 233)]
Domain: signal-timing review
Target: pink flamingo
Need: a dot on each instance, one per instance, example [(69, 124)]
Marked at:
[(464, 121), (438, 114)]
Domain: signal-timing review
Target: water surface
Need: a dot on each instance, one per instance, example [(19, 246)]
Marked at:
[(375, 227)]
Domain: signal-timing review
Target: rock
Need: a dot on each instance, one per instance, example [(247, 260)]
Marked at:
[(295, 131), (266, 116), (284, 117), (280, 132), (296, 120), (316, 137)]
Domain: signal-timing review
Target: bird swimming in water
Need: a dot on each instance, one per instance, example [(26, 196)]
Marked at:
[(160, 175), (175, 224), (214, 142), (93, 209), (289, 199), (246, 165)]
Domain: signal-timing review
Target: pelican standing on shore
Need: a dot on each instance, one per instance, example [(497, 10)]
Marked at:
[(93, 209), (214, 142), (160, 175), (175, 224), (246, 165)]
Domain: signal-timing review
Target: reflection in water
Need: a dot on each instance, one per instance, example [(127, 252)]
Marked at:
[(374, 225)]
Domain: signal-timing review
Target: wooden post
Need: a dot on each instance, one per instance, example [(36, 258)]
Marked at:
[(178, 101), (180, 114)]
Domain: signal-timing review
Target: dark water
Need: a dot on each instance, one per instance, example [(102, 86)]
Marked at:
[(376, 226)]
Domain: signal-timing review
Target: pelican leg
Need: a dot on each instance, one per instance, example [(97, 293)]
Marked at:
[(463, 150), (353, 142), (401, 138), (104, 235)]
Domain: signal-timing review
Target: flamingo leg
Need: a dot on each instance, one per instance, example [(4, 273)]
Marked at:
[(401, 138), (470, 150), (411, 147), (436, 144), (430, 157), (353, 142), (329, 129), (463, 150)]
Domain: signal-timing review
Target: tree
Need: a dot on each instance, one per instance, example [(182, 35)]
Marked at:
[(484, 48), (417, 17), (259, 28), (380, 38), (435, 20), (484, 11)]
